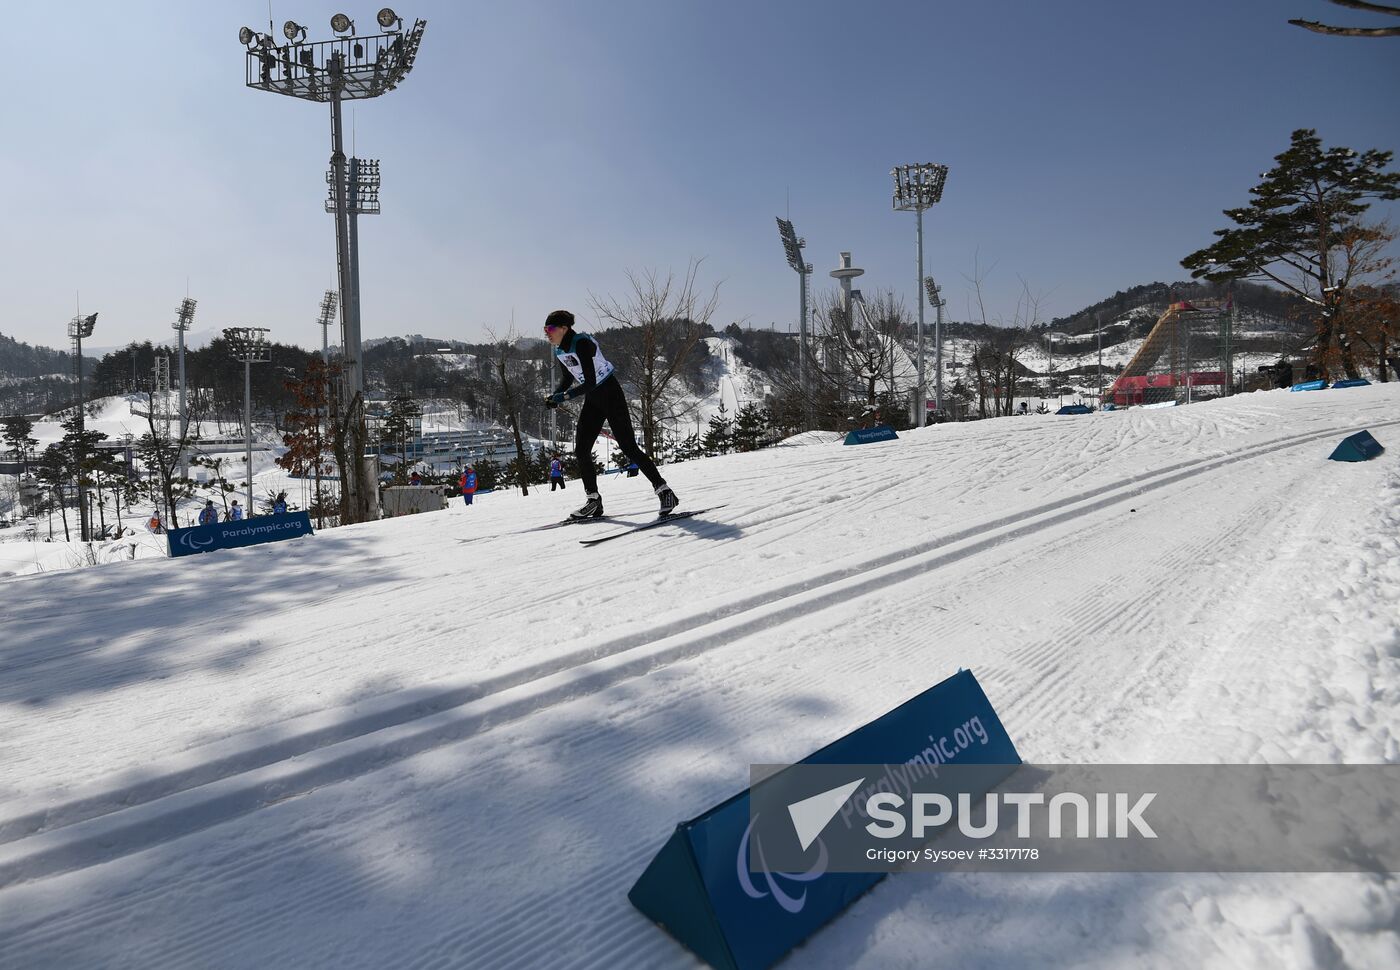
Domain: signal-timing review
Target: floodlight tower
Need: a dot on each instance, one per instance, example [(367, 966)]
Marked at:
[(346, 68), (78, 328), (160, 406), (935, 299), (250, 345), (327, 317), (916, 188), (361, 199), (792, 246), (184, 318)]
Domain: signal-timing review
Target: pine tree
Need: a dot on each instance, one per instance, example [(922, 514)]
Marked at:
[(719, 437), (688, 448), (18, 441), (1304, 232), (750, 427)]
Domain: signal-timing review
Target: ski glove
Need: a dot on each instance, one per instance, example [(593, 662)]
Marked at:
[(555, 399)]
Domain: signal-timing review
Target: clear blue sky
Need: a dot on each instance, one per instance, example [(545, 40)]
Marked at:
[(541, 148)]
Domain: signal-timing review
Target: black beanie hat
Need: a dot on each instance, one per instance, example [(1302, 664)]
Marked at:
[(559, 318)]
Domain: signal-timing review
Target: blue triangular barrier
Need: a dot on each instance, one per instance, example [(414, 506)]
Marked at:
[(699, 888), (1357, 382), (1075, 409), (1358, 447), (1309, 386)]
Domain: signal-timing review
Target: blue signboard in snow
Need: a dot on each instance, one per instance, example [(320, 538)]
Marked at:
[(863, 436), (231, 535)]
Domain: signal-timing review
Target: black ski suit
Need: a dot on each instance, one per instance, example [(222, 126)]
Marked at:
[(602, 402)]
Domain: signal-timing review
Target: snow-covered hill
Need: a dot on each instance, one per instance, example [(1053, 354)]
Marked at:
[(446, 740)]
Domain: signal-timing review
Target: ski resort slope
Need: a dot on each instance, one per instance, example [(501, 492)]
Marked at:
[(445, 741)]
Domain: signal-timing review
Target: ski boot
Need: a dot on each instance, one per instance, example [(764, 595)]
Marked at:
[(592, 509), (668, 498)]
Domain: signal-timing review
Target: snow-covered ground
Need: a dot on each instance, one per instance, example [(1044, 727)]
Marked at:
[(441, 740)]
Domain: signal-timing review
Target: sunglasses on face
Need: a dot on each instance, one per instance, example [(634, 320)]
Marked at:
[(551, 327)]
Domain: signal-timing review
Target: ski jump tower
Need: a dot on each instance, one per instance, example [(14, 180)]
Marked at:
[(1188, 348)]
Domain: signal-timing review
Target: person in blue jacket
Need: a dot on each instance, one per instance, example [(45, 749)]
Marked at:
[(588, 374), (556, 473), (467, 483), (208, 515), (235, 512), (279, 505)]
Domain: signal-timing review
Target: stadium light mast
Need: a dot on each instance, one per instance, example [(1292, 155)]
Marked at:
[(935, 299), (324, 321), (184, 319), (916, 188), (347, 68), (250, 345), (793, 246), (78, 328)]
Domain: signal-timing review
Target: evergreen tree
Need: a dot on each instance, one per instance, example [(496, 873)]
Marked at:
[(54, 471), (1304, 232), (400, 425), (688, 448), (18, 441), (750, 428), (488, 474), (719, 436)]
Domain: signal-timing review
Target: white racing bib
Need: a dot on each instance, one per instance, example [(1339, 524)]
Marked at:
[(601, 366)]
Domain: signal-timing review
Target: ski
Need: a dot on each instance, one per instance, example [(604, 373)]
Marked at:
[(659, 520), (601, 519)]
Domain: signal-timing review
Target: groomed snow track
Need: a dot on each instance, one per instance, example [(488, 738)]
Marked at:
[(695, 685)]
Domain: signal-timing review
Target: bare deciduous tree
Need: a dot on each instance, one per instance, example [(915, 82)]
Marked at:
[(162, 449), (513, 377), (667, 317)]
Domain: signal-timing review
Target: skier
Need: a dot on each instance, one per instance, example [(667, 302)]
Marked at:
[(588, 374), (279, 504), (208, 515), (235, 512), (467, 483), (556, 473)]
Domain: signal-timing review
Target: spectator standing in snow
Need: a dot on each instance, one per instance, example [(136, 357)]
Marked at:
[(155, 525), (208, 515), (415, 479), (279, 504), (556, 473), (467, 483), (235, 512)]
